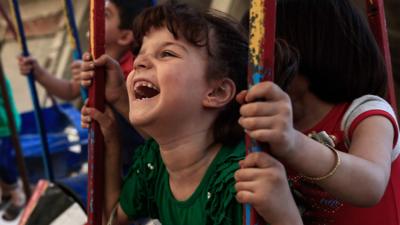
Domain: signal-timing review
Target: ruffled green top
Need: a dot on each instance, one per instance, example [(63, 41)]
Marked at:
[(146, 191)]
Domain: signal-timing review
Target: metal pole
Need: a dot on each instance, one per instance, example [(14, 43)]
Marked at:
[(14, 134), (74, 37), (260, 68), (96, 99), (377, 22), (8, 21), (35, 100)]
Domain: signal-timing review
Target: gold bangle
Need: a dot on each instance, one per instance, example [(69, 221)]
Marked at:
[(337, 163)]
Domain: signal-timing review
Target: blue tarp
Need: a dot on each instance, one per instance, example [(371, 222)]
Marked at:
[(67, 141)]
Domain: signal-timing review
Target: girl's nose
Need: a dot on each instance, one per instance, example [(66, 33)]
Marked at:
[(142, 62)]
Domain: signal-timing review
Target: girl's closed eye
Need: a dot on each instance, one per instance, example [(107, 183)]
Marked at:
[(167, 53)]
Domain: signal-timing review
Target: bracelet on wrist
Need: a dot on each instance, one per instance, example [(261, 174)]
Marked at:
[(323, 138)]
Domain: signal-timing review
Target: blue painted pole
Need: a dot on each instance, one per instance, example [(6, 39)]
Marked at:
[(48, 169), (77, 55), (261, 68)]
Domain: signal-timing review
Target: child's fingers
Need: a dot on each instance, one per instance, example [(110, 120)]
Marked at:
[(27, 62), (107, 61), (76, 65), (245, 197), (86, 83), (259, 160), (245, 186), (254, 123), (240, 98), (100, 117), (265, 90), (87, 66), (265, 135), (109, 113), (263, 108), (247, 174), (86, 78), (85, 116), (86, 56), (25, 70)]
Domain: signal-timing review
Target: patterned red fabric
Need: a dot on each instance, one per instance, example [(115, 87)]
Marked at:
[(320, 208)]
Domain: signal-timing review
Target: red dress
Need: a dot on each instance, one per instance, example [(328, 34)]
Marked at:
[(317, 206)]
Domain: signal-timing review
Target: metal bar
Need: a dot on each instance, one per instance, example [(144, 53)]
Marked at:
[(35, 100), (96, 99), (74, 37), (14, 134), (377, 22), (260, 68), (8, 21)]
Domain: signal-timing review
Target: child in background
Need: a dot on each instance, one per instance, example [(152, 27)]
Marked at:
[(61, 88), (119, 16), (185, 175), (12, 198), (350, 175)]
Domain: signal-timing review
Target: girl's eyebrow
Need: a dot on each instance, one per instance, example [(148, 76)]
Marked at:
[(166, 44), (171, 43)]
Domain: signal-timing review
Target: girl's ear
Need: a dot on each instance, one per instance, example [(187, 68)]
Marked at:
[(220, 94), (126, 37)]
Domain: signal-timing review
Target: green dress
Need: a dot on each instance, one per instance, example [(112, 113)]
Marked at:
[(146, 191)]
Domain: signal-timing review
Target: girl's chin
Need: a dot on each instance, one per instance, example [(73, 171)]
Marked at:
[(138, 121), (142, 118)]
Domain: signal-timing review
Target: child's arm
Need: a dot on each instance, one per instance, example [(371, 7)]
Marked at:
[(261, 181), (64, 89), (363, 173), (115, 90), (112, 172)]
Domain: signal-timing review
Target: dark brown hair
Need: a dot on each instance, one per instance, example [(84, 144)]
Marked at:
[(339, 55), (227, 45), (128, 10), (225, 42)]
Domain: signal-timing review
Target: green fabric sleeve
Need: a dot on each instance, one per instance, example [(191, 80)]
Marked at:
[(223, 209), (137, 194)]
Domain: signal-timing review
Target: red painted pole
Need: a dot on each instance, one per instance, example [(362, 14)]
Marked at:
[(260, 68), (377, 22), (96, 99), (14, 134)]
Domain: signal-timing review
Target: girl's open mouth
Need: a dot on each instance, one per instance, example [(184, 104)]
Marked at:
[(145, 90)]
